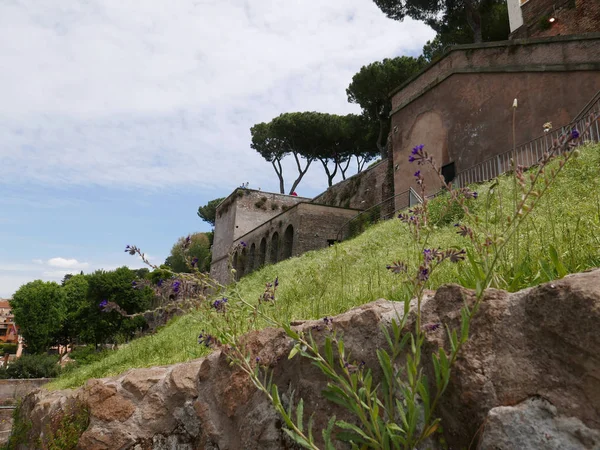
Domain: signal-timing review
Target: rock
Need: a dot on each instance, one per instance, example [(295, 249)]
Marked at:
[(535, 425), (540, 343)]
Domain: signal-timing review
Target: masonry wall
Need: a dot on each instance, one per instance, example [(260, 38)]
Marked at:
[(460, 108), (313, 227), (240, 212), (361, 191), (572, 17)]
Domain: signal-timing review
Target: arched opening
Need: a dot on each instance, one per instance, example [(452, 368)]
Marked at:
[(234, 263), (251, 256), (288, 242), (274, 254), (262, 253), (242, 260)]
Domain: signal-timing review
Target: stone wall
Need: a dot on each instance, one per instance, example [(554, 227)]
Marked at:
[(240, 212), (460, 108), (572, 17), (361, 191), (14, 389), (301, 228)]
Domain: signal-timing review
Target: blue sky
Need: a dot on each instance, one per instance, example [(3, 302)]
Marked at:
[(118, 118)]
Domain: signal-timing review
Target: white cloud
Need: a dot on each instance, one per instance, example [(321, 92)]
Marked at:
[(154, 94), (67, 263)]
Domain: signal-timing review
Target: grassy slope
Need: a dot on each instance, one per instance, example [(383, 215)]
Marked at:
[(330, 281)]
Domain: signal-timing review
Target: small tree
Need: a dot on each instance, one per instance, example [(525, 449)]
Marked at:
[(208, 212), (371, 86), (39, 309), (198, 253)]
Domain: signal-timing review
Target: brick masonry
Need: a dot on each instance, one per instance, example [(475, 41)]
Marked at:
[(460, 107), (572, 17)]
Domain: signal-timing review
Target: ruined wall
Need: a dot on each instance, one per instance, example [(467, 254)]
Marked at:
[(301, 228), (360, 191), (572, 17), (240, 212), (460, 107)]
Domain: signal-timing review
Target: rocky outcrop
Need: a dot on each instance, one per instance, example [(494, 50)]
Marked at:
[(529, 377)]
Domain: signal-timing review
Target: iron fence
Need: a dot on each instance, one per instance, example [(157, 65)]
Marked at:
[(530, 153), (382, 211)]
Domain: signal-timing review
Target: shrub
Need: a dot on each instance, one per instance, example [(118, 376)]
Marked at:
[(33, 366), (8, 348)]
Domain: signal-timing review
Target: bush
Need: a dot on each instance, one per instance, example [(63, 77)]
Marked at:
[(32, 366), (8, 348)]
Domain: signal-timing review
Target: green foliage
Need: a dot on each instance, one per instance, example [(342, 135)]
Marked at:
[(32, 366), (20, 430), (453, 28), (353, 272), (199, 248), (114, 286), (66, 427), (470, 17), (8, 348), (39, 309), (75, 290), (371, 86), (208, 212)]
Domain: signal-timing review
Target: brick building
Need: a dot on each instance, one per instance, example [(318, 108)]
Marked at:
[(8, 329), (460, 106), (543, 18)]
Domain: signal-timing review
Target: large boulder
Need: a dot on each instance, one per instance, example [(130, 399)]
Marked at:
[(530, 369)]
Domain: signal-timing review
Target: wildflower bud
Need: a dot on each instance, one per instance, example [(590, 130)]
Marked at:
[(576, 153), (515, 103)]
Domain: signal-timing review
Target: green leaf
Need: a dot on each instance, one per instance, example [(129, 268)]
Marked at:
[(353, 428), (297, 438), (327, 434), (299, 415), (329, 350), (294, 351)]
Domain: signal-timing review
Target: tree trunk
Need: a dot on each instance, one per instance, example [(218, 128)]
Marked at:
[(279, 175), (301, 171), (330, 176), (474, 21), (343, 171)]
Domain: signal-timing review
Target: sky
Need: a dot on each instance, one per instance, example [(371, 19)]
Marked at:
[(118, 118)]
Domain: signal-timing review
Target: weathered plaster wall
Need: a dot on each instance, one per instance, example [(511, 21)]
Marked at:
[(460, 108), (361, 191), (314, 227), (572, 17)]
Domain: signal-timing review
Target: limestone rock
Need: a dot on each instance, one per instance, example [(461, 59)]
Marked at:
[(538, 343), (535, 425)]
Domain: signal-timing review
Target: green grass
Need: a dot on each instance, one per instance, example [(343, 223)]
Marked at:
[(333, 280)]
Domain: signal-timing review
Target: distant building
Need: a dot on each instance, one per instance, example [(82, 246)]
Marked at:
[(9, 332)]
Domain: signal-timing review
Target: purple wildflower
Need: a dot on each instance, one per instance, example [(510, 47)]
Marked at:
[(243, 244), (423, 274), (418, 173), (220, 305), (431, 326), (103, 304), (574, 134), (276, 281), (396, 267), (206, 339), (176, 284), (160, 282), (411, 158), (194, 262)]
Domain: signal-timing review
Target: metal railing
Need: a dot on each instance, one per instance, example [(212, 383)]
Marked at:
[(526, 155), (381, 211), (529, 153)]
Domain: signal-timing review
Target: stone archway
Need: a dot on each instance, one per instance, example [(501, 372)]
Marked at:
[(262, 253), (288, 242), (274, 250)]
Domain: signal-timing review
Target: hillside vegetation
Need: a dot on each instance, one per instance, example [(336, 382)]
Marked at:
[(561, 236)]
